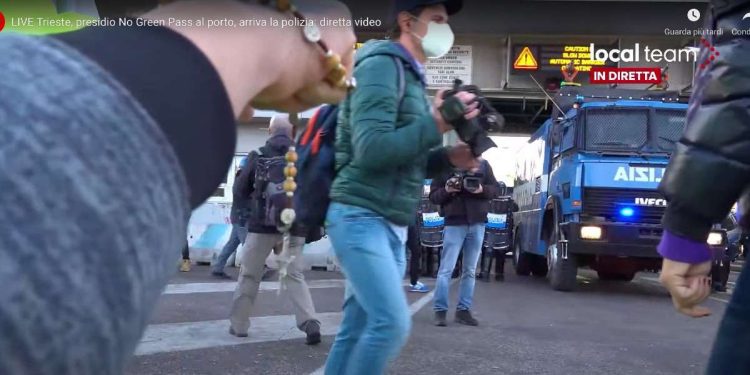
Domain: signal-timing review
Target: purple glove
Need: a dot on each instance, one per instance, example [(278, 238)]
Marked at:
[(683, 250)]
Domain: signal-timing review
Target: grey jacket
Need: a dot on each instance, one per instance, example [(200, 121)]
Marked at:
[(93, 212)]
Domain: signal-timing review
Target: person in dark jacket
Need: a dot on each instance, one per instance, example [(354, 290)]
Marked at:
[(465, 207), (238, 218), (715, 148), (261, 239)]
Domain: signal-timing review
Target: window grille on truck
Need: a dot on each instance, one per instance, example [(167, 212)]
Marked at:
[(616, 129)]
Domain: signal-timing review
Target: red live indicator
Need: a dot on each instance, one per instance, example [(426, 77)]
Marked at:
[(624, 76), (2, 21)]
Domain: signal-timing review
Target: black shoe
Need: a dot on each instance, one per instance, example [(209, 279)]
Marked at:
[(720, 288), (464, 317), (500, 277), (440, 318), (221, 275), (234, 333), (312, 330)]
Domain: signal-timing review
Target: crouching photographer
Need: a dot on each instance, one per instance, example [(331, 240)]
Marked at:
[(464, 198)]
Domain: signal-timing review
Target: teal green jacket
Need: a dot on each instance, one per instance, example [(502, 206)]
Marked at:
[(385, 148)]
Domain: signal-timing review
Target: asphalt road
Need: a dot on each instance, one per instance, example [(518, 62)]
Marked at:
[(525, 328)]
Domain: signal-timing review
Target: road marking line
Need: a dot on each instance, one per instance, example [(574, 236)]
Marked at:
[(413, 308), (718, 299), (191, 288), (174, 337)]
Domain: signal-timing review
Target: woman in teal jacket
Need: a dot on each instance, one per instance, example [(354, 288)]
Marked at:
[(388, 140)]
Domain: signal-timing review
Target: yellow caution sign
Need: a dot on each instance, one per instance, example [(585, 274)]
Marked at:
[(526, 60)]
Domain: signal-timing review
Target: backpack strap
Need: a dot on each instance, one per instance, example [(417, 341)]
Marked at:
[(310, 127), (401, 73)]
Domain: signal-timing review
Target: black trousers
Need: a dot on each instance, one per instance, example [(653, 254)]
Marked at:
[(415, 248), (186, 253), (499, 261)]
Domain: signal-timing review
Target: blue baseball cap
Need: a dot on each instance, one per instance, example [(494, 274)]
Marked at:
[(451, 6)]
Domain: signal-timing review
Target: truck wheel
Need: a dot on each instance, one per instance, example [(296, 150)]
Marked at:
[(538, 266), (562, 272), (614, 276), (521, 260), (720, 275)]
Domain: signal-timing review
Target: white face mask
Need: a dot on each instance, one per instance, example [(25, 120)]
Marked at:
[(438, 40)]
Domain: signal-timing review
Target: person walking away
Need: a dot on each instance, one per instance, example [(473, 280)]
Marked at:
[(185, 263), (238, 218), (464, 198), (264, 174), (386, 143), (415, 258), (716, 147)]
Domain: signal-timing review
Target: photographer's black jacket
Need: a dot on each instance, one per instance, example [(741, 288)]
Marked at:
[(465, 208)]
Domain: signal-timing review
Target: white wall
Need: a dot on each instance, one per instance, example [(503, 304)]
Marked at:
[(250, 138), (488, 59)]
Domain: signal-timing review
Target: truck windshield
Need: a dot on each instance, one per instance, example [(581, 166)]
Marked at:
[(628, 129)]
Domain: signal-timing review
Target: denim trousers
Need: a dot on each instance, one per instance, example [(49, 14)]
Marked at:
[(376, 321), (730, 351), (456, 238), (235, 239)]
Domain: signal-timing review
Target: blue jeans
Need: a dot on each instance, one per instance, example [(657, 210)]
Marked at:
[(729, 355), (376, 322), (235, 239), (457, 237)]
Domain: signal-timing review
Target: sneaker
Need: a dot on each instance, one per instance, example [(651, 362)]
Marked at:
[(464, 317), (185, 265), (312, 330), (419, 288), (440, 318), (221, 275), (235, 333)]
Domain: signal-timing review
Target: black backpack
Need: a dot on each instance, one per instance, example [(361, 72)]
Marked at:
[(268, 197)]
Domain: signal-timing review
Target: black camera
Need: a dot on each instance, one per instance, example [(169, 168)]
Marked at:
[(473, 132), (468, 181)]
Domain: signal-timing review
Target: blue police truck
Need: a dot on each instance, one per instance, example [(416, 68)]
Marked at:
[(586, 184)]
